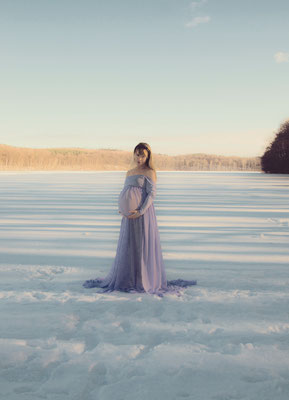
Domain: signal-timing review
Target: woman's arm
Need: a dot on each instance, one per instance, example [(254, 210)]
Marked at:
[(151, 194)]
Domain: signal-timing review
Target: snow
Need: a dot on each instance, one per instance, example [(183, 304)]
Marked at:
[(224, 339)]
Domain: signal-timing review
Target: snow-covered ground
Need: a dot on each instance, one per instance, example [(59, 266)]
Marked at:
[(226, 338)]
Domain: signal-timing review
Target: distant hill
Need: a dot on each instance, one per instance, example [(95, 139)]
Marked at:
[(76, 159)]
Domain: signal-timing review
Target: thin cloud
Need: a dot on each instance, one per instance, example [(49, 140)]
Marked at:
[(195, 4), (281, 57), (198, 20)]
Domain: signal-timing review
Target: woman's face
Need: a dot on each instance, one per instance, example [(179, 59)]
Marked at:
[(140, 159)]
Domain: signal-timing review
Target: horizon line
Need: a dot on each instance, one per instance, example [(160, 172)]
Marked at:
[(115, 149)]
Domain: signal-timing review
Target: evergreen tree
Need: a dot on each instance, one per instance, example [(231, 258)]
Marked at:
[(276, 156)]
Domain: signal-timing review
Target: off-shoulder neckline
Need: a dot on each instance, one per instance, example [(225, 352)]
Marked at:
[(142, 175)]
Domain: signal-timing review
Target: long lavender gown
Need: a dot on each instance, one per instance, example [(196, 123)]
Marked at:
[(138, 265)]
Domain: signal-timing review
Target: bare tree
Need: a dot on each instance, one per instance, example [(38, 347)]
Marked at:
[(17, 158)]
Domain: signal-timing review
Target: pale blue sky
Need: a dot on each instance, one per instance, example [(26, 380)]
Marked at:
[(186, 77)]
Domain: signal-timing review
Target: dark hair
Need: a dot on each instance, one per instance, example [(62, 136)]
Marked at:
[(144, 146)]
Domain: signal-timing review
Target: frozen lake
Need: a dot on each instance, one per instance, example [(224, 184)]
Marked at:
[(224, 339)]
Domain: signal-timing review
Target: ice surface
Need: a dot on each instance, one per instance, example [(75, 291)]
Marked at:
[(224, 339)]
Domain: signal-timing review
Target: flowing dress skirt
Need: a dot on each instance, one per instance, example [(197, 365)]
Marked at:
[(138, 265)]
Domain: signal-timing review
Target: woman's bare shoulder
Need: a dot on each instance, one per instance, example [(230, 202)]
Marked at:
[(148, 172), (130, 172)]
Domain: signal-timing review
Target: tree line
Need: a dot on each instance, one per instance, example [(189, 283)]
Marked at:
[(76, 159), (276, 156)]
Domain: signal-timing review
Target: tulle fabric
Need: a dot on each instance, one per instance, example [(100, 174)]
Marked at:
[(138, 266)]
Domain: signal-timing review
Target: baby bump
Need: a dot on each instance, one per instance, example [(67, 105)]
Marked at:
[(129, 199)]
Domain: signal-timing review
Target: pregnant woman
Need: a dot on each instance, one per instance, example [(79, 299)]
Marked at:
[(138, 265)]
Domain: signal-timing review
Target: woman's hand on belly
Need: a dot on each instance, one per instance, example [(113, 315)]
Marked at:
[(134, 214)]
